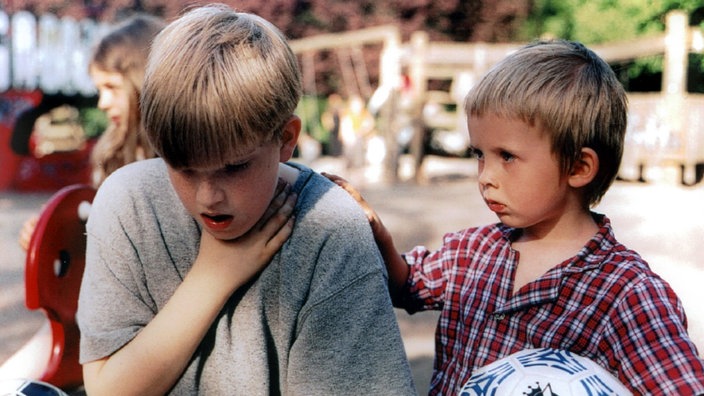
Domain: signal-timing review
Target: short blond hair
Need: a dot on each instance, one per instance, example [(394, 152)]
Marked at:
[(571, 93), (217, 82)]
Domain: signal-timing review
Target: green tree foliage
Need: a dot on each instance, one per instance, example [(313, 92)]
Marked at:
[(600, 21)]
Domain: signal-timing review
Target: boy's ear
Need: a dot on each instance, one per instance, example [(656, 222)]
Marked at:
[(584, 169), (289, 138)]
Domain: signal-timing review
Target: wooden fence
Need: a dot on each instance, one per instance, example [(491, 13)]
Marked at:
[(665, 128)]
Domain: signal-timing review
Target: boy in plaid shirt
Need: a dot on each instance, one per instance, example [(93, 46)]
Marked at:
[(547, 126)]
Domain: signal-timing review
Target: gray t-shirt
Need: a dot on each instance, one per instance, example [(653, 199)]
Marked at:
[(317, 321)]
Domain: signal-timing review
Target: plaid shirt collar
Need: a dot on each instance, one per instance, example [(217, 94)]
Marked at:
[(547, 289)]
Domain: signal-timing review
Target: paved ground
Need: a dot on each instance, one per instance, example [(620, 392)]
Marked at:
[(661, 220)]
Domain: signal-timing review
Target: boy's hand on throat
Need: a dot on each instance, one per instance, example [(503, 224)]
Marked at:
[(237, 261)]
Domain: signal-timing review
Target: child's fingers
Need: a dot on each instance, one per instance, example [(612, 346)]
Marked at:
[(356, 195), (345, 185), (372, 216), (280, 218), (282, 234), (283, 190), (335, 179), (280, 186), (27, 231)]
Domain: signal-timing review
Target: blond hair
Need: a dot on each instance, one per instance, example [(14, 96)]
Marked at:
[(124, 50), (217, 83), (568, 91)]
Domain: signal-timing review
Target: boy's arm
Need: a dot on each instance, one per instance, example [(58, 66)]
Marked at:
[(648, 341), (154, 360), (347, 337), (395, 264)]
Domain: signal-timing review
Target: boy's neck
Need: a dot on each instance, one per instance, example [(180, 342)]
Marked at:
[(577, 228), (540, 248), (288, 173)]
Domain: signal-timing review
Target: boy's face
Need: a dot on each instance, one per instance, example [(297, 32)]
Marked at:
[(519, 175), (228, 200)]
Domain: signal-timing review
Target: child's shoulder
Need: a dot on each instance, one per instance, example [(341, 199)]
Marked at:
[(611, 255), (619, 266), (627, 264), (145, 171), (142, 181), (324, 200), (479, 240)]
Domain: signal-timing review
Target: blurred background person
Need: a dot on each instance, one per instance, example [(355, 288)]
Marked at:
[(117, 69)]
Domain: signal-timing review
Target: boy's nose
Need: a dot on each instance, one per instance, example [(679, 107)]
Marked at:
[(209, 193), (485, 177)]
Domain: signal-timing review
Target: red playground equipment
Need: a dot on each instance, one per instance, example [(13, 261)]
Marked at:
[(39, 168), (53, 272)]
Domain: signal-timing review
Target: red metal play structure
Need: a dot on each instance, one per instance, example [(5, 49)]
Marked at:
[(54, 268), (53, 272), (26, 171)]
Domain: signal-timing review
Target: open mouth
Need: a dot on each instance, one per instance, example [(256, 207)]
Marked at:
[(216, 222), (217, 218)]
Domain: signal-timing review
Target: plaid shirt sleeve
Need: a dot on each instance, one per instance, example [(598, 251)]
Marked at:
[(434, 275), (648, 341), (425, 287), (429, 273)]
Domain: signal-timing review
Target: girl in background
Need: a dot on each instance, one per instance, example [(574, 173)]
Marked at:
[(117, 70)]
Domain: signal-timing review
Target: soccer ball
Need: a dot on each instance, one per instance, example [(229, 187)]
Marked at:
[(543, 372), (28, 387)]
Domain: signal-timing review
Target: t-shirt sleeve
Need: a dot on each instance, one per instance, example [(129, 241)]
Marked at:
[(348, 340), (111, 308), (350, 344)]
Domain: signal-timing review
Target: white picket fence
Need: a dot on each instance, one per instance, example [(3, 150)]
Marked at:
[(46, 52)]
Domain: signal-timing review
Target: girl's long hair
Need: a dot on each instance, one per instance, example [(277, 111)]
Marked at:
[(124, 50)]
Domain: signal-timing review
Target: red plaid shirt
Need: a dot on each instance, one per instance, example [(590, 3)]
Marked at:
[(605, 303)]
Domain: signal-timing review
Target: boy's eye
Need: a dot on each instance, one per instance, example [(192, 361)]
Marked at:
[(475, 153), (506, 156), (234, 168)]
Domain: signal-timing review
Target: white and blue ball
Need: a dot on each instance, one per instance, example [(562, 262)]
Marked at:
[(543, 372), (28, 387)]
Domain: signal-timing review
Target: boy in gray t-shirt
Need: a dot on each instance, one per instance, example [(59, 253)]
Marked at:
[(174, 297)]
